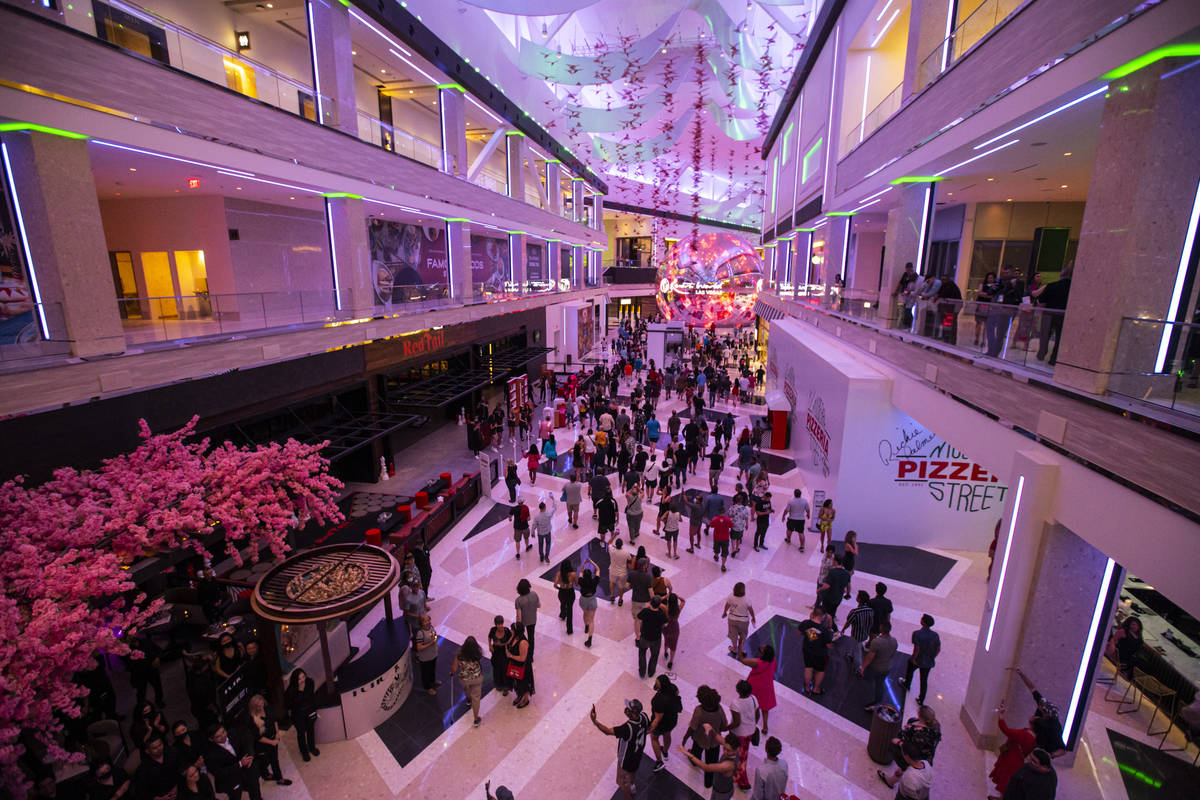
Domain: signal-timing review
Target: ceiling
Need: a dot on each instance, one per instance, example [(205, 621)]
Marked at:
[(667, 100)]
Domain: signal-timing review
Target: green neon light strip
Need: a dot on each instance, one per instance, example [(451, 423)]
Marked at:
[(453, 86), (916, 179), (346, 3), (576, 179), (807, 156), (516, 233), (839, 213), (342, 194), (1158, 54), (29, 127), (807, 230), (775, 186), (786, 149), (553, 161), (457, 219), (513, 133)]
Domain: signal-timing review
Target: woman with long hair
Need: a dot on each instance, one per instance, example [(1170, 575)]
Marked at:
[(665, 709), (825, 522), (564, 582), (762, 680), (468, 668), (674, 607), (301, 701), (498, 638), (708, 719), (1125, 645), (849, 556), (589, 581), (266, 740), (520, 665)]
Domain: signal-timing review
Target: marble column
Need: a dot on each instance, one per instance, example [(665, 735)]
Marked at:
[(1140, 200), (926, 32), (577, 196), (516, 150), (452, 106), (578, 265), (333, 64), (68, 252), (554, 187), (598, 212), (516, 252), (553, 260), (836, 252), (458, 248), (906, 240), (351, 255)]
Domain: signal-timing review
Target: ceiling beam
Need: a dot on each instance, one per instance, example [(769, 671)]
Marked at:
[(486, 153)]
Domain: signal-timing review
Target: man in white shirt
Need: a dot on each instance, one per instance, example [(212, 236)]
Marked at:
[(770, 779), (795, 514)]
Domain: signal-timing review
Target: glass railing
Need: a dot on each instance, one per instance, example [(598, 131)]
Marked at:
[(880, 114), (1158, 362), (380, 134), (200, 56), (966, 35), (21, 327)]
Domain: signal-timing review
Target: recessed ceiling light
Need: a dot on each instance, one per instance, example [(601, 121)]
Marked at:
[(1066, 154), (133, 169), (1008, 200), (384, 71), (293, 197), (353, 52), (950, 194), (239, 188), (991, 179), (410, 91), (1063, 186)]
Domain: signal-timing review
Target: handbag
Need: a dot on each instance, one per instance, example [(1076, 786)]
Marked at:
[(755, 737), (516, 671)]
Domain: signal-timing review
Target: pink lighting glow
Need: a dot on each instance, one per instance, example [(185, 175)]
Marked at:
[(710, 279)]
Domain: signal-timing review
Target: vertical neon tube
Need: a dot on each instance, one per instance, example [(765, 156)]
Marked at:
[(1012, 525), (1185, 261), (862, 122), (33, 284), (1085, 660), (845, 251), (337, 283), (951, 7), (312, 46)]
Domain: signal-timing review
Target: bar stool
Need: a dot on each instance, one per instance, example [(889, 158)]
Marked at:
[(1189, 737), (405, 512), (374, 536), (422, 499), (1161, 693)]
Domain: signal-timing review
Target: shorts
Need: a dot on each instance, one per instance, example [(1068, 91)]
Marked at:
[(736, 535), (714, 475), (606, 527), (817, 663), (619, 583), (694, 531), (635, 607), (572, 508), (587, 602), (795, 525), (624, 779), (519, 533), (651, 484), (671, 536), (721, 548), (739, 628)]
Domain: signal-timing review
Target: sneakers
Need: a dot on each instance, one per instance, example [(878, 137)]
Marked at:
[(475, 724), (659, 766)]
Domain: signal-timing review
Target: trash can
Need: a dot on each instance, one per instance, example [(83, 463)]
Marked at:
[(560, 413), (885, 726)]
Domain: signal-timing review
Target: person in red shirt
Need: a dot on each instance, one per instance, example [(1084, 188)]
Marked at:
[(531, 460), (720, 526), (1018, 744)]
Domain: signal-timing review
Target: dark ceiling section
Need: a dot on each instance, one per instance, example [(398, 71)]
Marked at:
[(438, 391)]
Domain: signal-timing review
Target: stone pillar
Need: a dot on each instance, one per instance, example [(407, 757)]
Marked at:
[(333, 64), (68, 253), (577, 197), (836, 251), (1142, 193), (350, 255), (863, 276), (598, 212), (553, 260), (452, 105), (516, 252), (458, 248), (554, 186), (906, 240), (926, 32), (1038, 565), (516, 150), (803, 268), (578, 267)]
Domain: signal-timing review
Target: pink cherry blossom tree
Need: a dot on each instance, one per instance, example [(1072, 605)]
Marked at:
[(65, 593)]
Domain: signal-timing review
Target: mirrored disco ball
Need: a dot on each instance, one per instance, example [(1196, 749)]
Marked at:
[(713, 278)]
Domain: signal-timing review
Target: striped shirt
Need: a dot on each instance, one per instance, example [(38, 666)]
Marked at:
[(861, 620)]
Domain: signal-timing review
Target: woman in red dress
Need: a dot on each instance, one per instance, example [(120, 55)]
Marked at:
[(1018, 744), (762, 680)]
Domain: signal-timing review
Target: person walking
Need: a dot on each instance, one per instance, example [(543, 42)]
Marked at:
[(640, 586), (565, 582), (532, 458), (833, 589), (618, 573), (708, 719), (301, 702), (739, 514), (881, 606), (573, 496), (825, 522), (633, 511), (467, 666), (740, 614), (722, 527), (607, 511), (427, 653), (744, 712), (817, 641), (795, 514), (543, 526), (589, 581), (671, 519), (674, 607), (926, 646), (527, 605), (665, 708), (770, 779), (877, 663), (652, 619), (498, 639), (520, 517), (762, 518), (631, 742), (695, 509), (512, 480), (520, 664), (762, 680)]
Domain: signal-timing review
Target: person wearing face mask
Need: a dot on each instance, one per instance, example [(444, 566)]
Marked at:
[(230, 656), (107, 782)]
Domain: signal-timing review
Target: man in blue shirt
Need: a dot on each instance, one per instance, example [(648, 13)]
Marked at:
[(926, 646), (653, 430)]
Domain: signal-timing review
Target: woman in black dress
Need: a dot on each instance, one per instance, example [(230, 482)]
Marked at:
[(520, 661), (565, 584), (498, 639), (266, 740), (1125, 645), (301, 700)]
